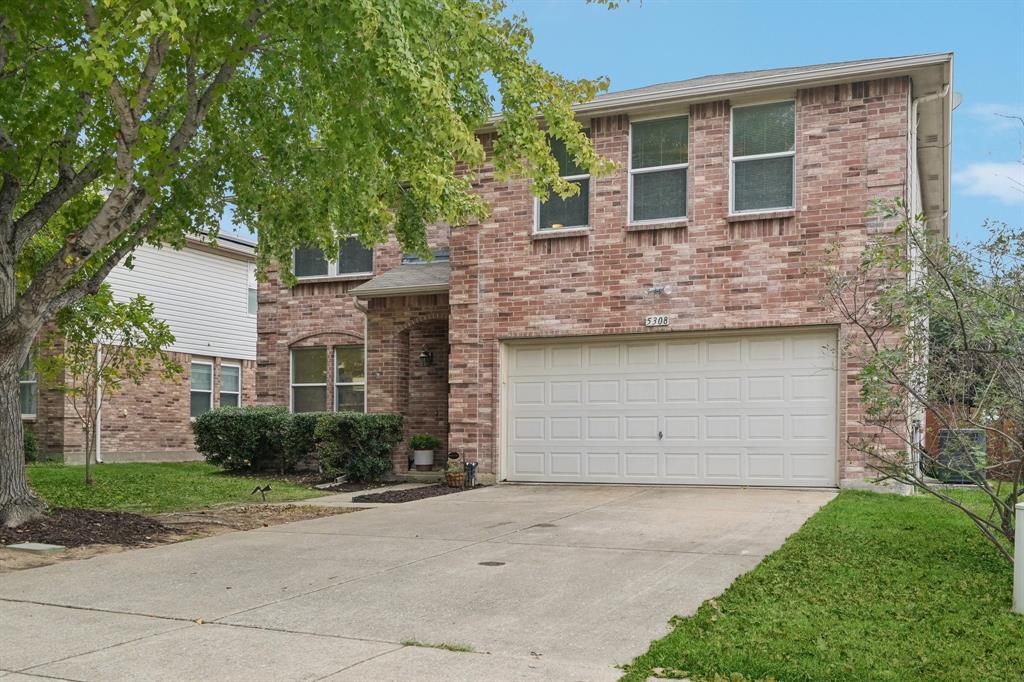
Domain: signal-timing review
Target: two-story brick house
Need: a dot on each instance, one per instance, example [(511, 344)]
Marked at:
[(667, 325)]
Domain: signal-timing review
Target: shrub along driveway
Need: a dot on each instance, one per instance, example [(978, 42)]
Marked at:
[(541, 582)]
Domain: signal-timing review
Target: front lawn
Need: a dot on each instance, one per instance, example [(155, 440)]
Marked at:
[(873, 587), (150, 487)]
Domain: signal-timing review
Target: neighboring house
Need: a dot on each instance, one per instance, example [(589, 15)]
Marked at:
[(667, 325), (207, 295)]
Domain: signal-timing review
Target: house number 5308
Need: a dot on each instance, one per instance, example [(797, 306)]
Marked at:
[(656, 321)]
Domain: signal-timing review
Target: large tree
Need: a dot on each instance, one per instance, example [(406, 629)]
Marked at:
[(128, 123)]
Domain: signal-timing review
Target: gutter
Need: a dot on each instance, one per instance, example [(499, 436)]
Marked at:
[(626, 99)]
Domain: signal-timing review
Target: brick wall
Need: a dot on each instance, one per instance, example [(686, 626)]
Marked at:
[(313, 314), (146, 421), (725, 273), (851, 147), (399, 329)]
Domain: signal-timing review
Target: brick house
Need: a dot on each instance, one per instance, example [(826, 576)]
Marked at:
[(207, 295), (667, 325)]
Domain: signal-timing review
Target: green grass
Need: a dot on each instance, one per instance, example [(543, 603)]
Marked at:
[(873, 587), (463, 648), (153, 487)]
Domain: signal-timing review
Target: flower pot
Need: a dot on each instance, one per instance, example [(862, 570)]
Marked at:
[(456, 479), (423, 460)]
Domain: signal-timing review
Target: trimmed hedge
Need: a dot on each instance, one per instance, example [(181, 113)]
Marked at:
[(245, 438), (358, 444), (238, 438)]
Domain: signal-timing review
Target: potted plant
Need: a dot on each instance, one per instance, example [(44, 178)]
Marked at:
[(423, 446), (455, 474)]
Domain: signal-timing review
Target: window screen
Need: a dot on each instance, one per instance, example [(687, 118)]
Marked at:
[(658, 167), (310, 262), (353, 257), (763, 149)]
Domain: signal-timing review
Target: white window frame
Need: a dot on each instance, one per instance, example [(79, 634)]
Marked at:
[(191, 389), (348, 383), (291, 376), (654, 169), (34, 382), (756, 157), (220, 383), (332, 267)]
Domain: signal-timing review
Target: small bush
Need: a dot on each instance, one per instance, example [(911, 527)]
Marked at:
[(239, 438), (31, 445), (299, 437), (357, 444), (424, 441)]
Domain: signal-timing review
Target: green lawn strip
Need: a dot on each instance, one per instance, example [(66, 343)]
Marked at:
[(873, 587), (150, 487)]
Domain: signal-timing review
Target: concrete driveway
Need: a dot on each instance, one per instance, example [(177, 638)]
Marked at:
[(543, 582)]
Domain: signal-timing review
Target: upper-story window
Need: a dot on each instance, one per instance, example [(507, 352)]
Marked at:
[(28, 388), (658, 159), (442, 255), (352, 259), (557, 213), (252, 292), (763, 150)]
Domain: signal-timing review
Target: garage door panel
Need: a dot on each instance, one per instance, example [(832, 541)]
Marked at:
[(682, 465), (603, 392), (603, 464), (642, 464), (756, 409), (723, 465), (528, 463)]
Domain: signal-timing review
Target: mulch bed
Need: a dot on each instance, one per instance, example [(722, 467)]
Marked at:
[(353, 487), (77, 527), (409, 494)]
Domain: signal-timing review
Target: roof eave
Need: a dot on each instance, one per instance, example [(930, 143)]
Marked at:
[(401, 291), (613, 103)]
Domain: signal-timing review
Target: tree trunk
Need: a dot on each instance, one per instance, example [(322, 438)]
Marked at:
[(18, 503)]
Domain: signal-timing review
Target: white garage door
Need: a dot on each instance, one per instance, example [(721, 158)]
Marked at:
[(757, 409)]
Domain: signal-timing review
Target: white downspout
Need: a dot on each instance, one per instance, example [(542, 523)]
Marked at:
[(914, 206), (99, 409)]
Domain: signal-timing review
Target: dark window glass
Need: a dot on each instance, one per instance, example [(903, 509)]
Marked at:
[(764, 129), (763, 184), (310, 262), (660, 143), (353, 257), (659, 194), (349, 398), (573, 211)]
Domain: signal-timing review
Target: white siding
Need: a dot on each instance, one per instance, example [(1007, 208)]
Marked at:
[(202, 296)]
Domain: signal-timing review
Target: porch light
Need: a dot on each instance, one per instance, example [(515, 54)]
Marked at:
[(426, 358)]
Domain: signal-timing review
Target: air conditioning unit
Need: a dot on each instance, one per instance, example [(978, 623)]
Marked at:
[(961, 457)]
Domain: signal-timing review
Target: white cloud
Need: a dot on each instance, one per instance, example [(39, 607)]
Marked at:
[(1004, 181)]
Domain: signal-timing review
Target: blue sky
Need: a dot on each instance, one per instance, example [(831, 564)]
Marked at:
[(664, 40)]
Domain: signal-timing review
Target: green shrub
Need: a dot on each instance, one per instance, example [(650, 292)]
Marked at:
[(239, 438), (31, 445), (358, 445), (299, 437), (424, 441)]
